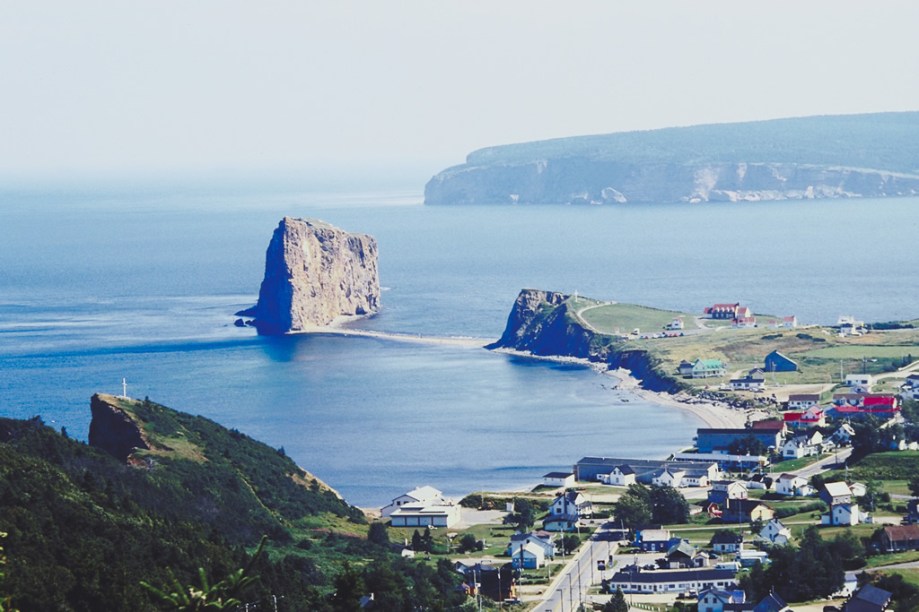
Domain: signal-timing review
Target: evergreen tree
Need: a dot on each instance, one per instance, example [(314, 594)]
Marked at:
[(377, 534), (616, 603)]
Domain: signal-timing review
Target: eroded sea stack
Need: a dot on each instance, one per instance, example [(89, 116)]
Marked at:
[(315, 273)]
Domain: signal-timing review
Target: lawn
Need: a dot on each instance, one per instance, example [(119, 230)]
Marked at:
[(863, 351), (623, 318), (910, 576), (893, 558), (795, 464)]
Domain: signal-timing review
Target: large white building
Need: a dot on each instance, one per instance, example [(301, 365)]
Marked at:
[(422, 507)]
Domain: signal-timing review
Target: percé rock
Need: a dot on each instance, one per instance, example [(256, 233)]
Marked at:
[(315, 273), (541, 323), (870, 155), (114, 430)]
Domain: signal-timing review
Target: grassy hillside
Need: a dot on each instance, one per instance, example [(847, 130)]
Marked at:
[(888, 141), (85, 528)]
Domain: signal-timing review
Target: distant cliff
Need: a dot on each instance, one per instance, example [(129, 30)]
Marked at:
[(875, 155), (314, 273), (542, 323)]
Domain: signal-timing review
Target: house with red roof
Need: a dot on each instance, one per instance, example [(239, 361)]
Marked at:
[(722, 311), (812, 417), (880, 402)]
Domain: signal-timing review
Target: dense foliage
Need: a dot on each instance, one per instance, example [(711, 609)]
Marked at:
[(815, 569), (641, 506), (85, 529)]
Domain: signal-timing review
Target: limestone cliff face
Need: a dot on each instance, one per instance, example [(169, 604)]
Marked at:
[(541, 323), (314, 273), (114, 430), (588, 181), (842, 156)]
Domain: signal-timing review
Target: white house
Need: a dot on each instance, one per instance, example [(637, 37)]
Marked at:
[(804, 445), (803, 401), (790, 321), (675, 324), (843, 435), (620, 476), (841, 514), (570, 505), (668, 477), (529, 556), (748, 383), (775, 532), (423, 495), (861, 383), (559, 479), (518, 540), (792, 484), (420, 514), (717, 600)]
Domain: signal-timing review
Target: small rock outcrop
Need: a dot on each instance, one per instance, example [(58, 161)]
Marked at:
[(114, 430), (315, 273)]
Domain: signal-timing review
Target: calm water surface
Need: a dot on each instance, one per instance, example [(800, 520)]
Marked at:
[(99, 286)]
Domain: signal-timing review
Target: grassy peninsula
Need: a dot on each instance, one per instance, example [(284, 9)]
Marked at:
[(657, 341)]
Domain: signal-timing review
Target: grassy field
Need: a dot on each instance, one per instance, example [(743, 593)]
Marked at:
[(623, 318), (861, 351), (794, 464), (892, 558), (889, 466)]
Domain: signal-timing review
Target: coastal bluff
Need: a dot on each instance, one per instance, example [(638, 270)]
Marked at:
[(805, 158), (314, 274), (545, 324)]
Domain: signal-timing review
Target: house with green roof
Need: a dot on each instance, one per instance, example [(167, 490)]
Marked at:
[(707, 368)]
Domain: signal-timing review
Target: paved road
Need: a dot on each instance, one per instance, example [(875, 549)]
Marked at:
[(570, 586), (838, 457)]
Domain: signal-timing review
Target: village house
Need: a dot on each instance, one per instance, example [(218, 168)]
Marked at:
[(912, 511), (792, 484), (897, 538), (803, 401), (838, 495), (571, 505), (869, 598), (746, 511), (653, 540), (494, 582), (727, 542), (812, 417), (746, 322), (422, 507), (775, 532), (680, 555), (750, 382), (777, 362), (702, 368), (528, 556), (620, 476), (722, 311), (542, 540), (671, 581), (804, 445), (860, 383), (790, 321), (720, 600), (675, 325), (723, 490), (843, 435), (423, 495), (558, 479)]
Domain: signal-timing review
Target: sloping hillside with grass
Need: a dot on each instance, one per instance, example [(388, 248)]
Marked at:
[(85, 528)]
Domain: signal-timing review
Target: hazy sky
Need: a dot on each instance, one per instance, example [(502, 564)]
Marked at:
[(144, 88)]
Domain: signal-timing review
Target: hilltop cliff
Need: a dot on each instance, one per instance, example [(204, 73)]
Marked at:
[(315, 273), (873, 155), (544, 323)]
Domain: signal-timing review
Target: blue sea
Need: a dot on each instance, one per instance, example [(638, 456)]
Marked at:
[(102, 284)]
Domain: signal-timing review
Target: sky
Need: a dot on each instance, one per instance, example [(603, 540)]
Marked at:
[(310, 87)]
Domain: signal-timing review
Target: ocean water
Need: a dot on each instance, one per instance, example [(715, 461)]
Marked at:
[(100, 285)]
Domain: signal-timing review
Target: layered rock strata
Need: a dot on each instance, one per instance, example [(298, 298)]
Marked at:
[(314, 274)]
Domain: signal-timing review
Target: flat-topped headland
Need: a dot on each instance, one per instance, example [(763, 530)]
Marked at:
[(844, 156)]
